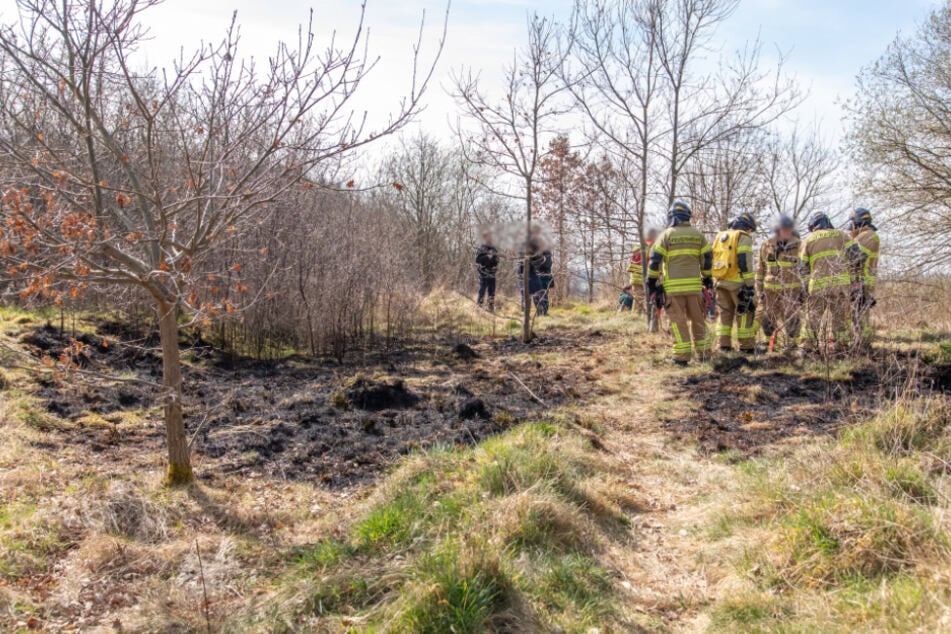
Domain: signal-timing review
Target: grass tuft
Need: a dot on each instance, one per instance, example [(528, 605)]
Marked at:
[(843, 521), (457, 592), (469, 540)]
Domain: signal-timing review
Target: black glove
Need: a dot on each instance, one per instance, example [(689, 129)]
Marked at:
[(658, 296), (651, 286), (708, 282), (745, 303)]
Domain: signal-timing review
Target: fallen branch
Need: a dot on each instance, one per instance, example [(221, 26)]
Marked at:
[(534, 396)]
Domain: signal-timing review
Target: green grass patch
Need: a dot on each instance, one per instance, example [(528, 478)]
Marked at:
[(470, 540), (35, 417), (752, 613), (849, 531), (458, 592)]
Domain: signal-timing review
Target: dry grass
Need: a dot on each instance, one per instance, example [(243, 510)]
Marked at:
[(857, 529), (462, 540), (591, 518)]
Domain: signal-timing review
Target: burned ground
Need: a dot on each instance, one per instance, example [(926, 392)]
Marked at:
[(300, 418), (344, 423), (746, 406)]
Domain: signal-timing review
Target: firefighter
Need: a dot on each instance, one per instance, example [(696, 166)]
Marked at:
[(735, 284), (778, 286), (865, 272), (824, 266), (685, 257), (636, 270)]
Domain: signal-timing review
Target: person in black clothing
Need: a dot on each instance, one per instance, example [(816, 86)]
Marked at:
[(487, 263), (540, 276), (542, 280)]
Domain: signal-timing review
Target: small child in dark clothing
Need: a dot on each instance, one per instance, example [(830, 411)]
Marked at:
[(625, 302)]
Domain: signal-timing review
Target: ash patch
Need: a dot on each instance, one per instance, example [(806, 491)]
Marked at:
[(335, 448), (376, 395), (746, 413), (305, 418), (749, 406)]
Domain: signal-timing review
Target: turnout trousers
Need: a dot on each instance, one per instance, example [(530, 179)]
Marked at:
[(862, 304), (688, 326), (782, 316), (827, 318), (728, 300)]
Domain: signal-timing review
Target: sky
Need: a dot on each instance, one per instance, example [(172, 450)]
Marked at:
[(825, 42)]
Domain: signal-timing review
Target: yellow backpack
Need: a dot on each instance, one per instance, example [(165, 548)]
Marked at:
[(725, 263)]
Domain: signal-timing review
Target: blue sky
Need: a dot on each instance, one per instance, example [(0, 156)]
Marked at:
[(826, 42)]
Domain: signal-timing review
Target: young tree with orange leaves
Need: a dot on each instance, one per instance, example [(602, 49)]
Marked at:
[(115, 174), (559, 190)]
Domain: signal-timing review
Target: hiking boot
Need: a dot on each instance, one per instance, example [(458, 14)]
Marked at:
[(680, 363)]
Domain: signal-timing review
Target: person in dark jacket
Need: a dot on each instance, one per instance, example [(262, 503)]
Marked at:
[(542, 280), (487, 264)]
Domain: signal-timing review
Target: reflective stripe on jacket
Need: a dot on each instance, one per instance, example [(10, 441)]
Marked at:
[(823, 259), (867, 240), (686, 258), (778, 266)]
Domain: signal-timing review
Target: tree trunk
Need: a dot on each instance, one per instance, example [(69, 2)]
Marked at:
[(179, 469), (526, 263)]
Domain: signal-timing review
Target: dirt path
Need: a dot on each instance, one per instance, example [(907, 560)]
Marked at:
[(662, 570)]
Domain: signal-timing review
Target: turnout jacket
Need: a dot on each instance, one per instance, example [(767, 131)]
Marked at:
[(866, 240), (636, 268), (685, 256), (778, 265), (825, 259)]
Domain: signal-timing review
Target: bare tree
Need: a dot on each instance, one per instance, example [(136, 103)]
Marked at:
[(614, 78), (558, 191), (725, 179), (705, 109), (799, 173), (422, 175), (122, 176), (639, 71), (511, 132), (901, 138)]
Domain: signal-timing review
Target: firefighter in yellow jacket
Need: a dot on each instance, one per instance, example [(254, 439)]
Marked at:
[(824, 258), (734, 275), (864, 273), (685, 257), (778, 286)]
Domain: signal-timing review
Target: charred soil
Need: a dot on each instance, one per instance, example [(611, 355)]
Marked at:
[(300, 418), (747, 406)]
